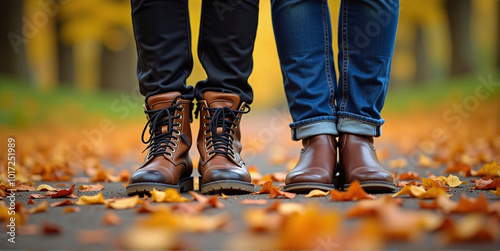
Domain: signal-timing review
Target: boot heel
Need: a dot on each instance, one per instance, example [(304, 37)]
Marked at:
[(186, 184)]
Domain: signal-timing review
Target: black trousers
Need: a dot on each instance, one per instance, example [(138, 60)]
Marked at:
[(163, 38)]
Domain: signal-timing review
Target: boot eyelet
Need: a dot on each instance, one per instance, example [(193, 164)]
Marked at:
[(205, 117), (210, 154), (205, 132), (179, 124), (180, 116), (173, 150), (169, 154), (205, 124), (205, 140), (206, 150), (177, 139), (175, 145), (182, 108)]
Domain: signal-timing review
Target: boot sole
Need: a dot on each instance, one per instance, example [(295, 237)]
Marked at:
[(376, 186), (227, 187), (184, 185), (307, 187)]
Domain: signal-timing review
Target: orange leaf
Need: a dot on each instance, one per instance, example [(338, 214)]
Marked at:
[(49, 228), (61, 203), (409, 176), (469, 205), (488, 184), (68, 210), (458, 167), (275, 192), (223, 196), (372, 207), (38, 209), (148, 208), (496, 192), (111, 219), (93, 236), (355, 192), (253, 202), (316, 193), (406, 183), (266, 188), (30, 202)]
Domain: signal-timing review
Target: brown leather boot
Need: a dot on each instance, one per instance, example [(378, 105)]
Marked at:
[(358, 161), (167, 164), (316, 166), (221, 167)]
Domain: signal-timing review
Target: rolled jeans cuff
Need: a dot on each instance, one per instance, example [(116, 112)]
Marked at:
[(315, 126), (356, 124)]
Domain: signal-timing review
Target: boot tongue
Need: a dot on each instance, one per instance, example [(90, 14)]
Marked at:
[(161, 101), (219, 100)]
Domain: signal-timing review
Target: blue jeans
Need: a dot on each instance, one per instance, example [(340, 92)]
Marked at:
[(319, 104)]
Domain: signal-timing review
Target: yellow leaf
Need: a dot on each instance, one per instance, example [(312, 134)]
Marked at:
[(169, 195), (496, 192), (124, 203), (428, 183), (88, 200), (421, 193), (488, 169), (40, 208), (454, 181), (45, 187), (316, 193)]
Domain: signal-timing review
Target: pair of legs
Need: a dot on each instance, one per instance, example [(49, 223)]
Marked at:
[(163, 39), (322, 107)]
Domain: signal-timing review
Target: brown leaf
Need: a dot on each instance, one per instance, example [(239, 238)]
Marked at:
[(88, 188), (20, 187), (253, 202), (276, 192), (148, 208), (471, 228), (49, 228), (266, 188), (111, 219), (496, 192), (61, 203), (459, 167), (30, 202), (355, 192), (64, 192), (36, 196), (487, 184)]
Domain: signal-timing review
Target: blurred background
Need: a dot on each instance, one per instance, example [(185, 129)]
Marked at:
[(67, 73)]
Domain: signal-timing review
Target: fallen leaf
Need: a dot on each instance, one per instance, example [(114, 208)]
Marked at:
[(496, 192), (262, 221), (406, 183), (169, 195), (316, 193), (148, 208), (64, 192), (267, 187), (274, 192), (471, 228), (124, 203), (38, 209), (421, 193), (49, 228), (451, 180), (355, 192), (61, 203), (372, 207), (37, 196), (409, 176), (149, 238), (88, 188), (20, 187), (425, 161), (488, 169), (45, 187), (459, 167), (488, 184), (253, 202), (93, 237), (429, 183), (88, 200), (30, 202), (223, 196), (111, 219), (68, 210)]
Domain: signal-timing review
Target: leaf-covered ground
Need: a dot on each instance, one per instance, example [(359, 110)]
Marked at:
[(70, 176)]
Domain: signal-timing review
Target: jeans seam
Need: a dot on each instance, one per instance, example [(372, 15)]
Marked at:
[(331, 97), (345, 57)]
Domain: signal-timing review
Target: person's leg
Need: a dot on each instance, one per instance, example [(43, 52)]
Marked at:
[(366, 38), (227, 34), (304, 41), (162, 34)]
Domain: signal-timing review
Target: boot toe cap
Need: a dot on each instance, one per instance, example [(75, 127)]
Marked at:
[(309, 175), (227, 174), (146, 176)]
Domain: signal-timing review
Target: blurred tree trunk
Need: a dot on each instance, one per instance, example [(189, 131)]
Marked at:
[(12, 42), (459, 16)]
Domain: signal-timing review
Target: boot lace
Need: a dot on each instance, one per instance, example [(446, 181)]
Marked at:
[(158, 142), (222, 142)]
